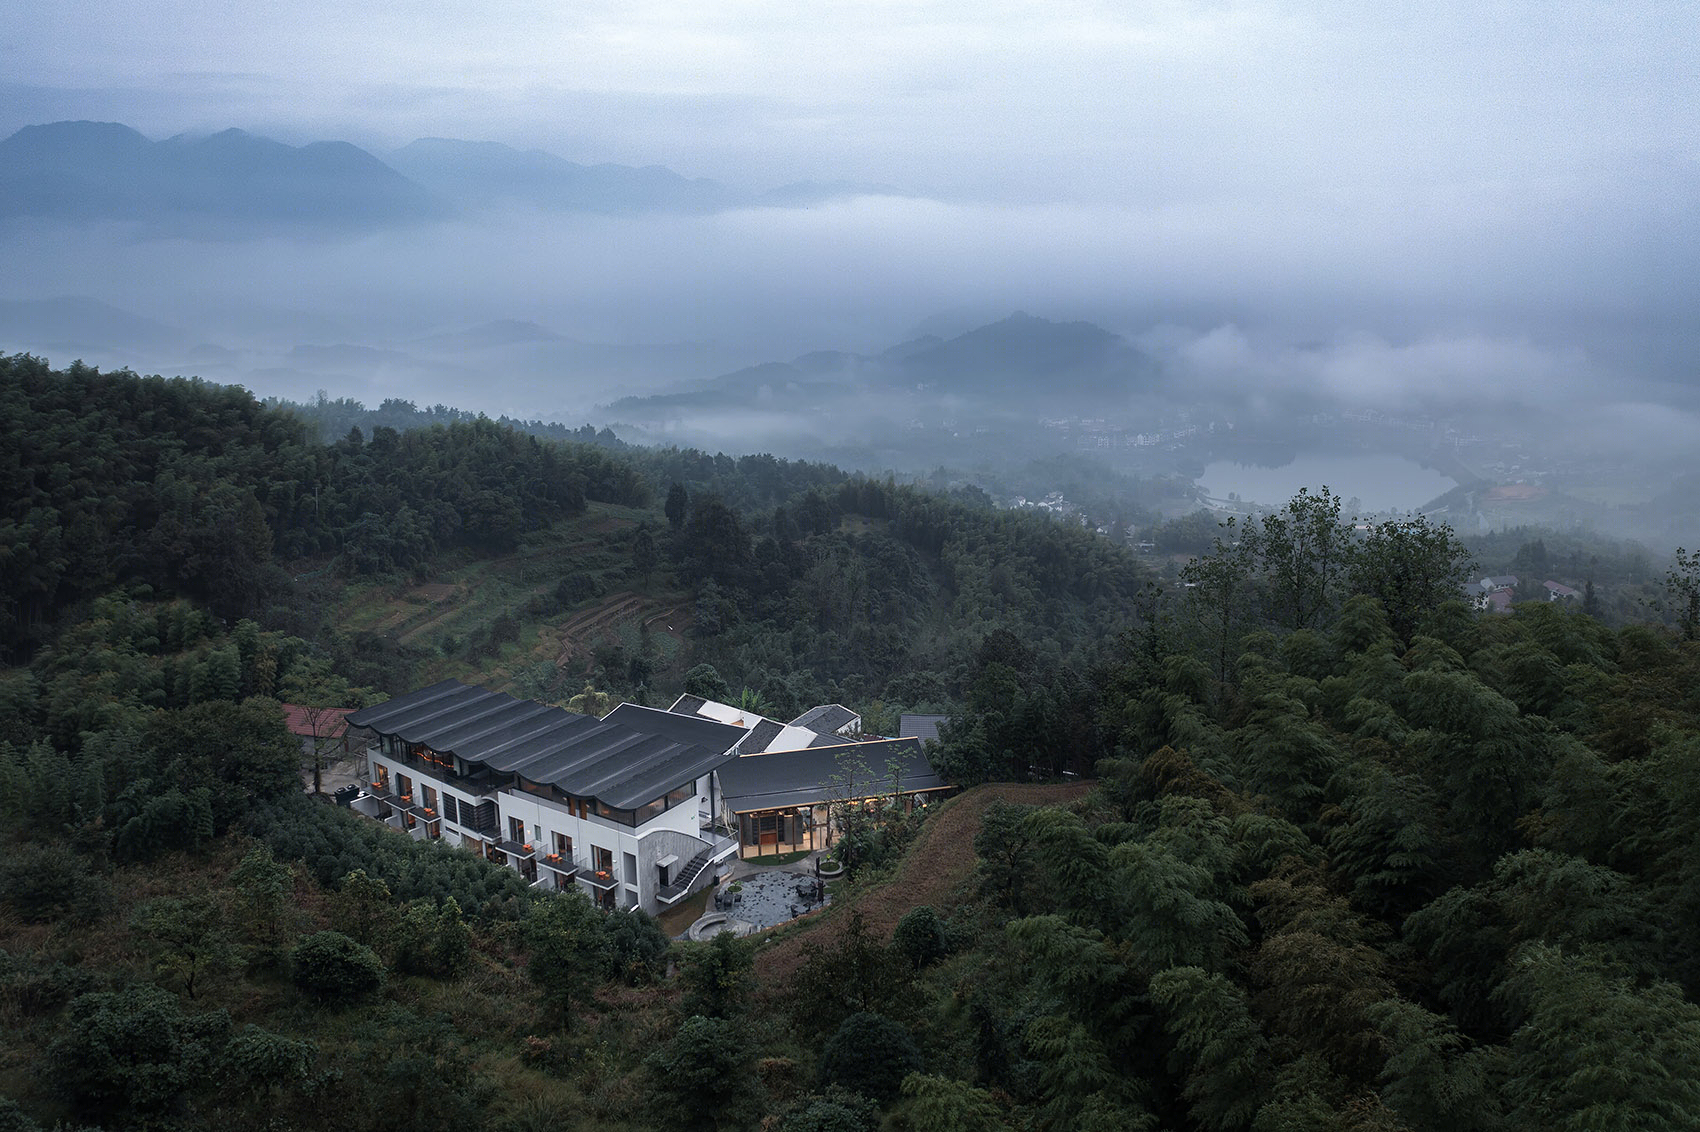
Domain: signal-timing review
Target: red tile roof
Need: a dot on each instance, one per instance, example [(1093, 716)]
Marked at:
[(333, 722)]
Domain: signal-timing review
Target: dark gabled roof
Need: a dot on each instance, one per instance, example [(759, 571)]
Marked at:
[(760, 736), (826, 719), (624, 764), (817, 774), (687, 704), (696, 729), (922, 727)]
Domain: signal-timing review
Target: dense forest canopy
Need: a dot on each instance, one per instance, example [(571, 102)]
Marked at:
[(1331, 849)]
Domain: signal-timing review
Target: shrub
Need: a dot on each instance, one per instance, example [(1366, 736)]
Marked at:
[(869, 1054), (836, 1110), (42, 884), (135, 1052), (330, 965)]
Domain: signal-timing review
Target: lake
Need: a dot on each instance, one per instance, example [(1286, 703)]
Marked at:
[(1383, 482)]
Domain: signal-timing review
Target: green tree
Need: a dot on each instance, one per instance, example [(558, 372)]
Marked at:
[(677, 506), (940, 1104), (853, 974), (1004, 853), (1433, 1077), (268, 1065), (834, 1110), (186, 938), (132, 1056), (433, 941), (591, 702), (1411, 566), (920, 936), (1216, 592), (363, 909), (264, 888), (635, 946), (705, 681), (566, 952), (1682, 591), (644, 555), (1304, 550), (1597, 1051), (716, 976), (1218, 1045), (704, 1077)]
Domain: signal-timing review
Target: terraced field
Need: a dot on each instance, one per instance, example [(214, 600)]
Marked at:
[(497, 621)]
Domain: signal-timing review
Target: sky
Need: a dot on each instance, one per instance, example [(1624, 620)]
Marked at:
[(1506, 191), (1147, 103)]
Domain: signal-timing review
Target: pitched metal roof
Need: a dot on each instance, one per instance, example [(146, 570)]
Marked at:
[(687, 704), (822, 774), (922, 727), (826, 719), (679, 728), (760, 737), (624, 763)]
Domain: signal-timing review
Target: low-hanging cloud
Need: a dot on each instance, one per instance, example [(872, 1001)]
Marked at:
[(1407, 310), (1364, 369)]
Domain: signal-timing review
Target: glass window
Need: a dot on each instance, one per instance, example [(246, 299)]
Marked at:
[(604, 810)]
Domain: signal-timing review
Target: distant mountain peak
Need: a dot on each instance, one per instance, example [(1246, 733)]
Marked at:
[(232, 180)]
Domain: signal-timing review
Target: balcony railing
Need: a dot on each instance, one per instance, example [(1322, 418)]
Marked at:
[(601, 879)]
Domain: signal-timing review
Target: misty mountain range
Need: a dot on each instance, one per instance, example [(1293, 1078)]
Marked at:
[(233, 181), (1021, 362)]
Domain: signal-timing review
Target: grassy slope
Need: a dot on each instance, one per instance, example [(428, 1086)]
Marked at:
[(935, 871)]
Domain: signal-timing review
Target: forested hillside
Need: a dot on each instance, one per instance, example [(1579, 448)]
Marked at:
[(798, 581), (1346, 854), (200, 490)]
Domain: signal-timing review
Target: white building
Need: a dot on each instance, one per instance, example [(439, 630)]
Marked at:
[(621, 806)]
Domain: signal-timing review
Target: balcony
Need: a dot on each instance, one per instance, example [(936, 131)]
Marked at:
[(603, 880), (516, 851), (564, 867)]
